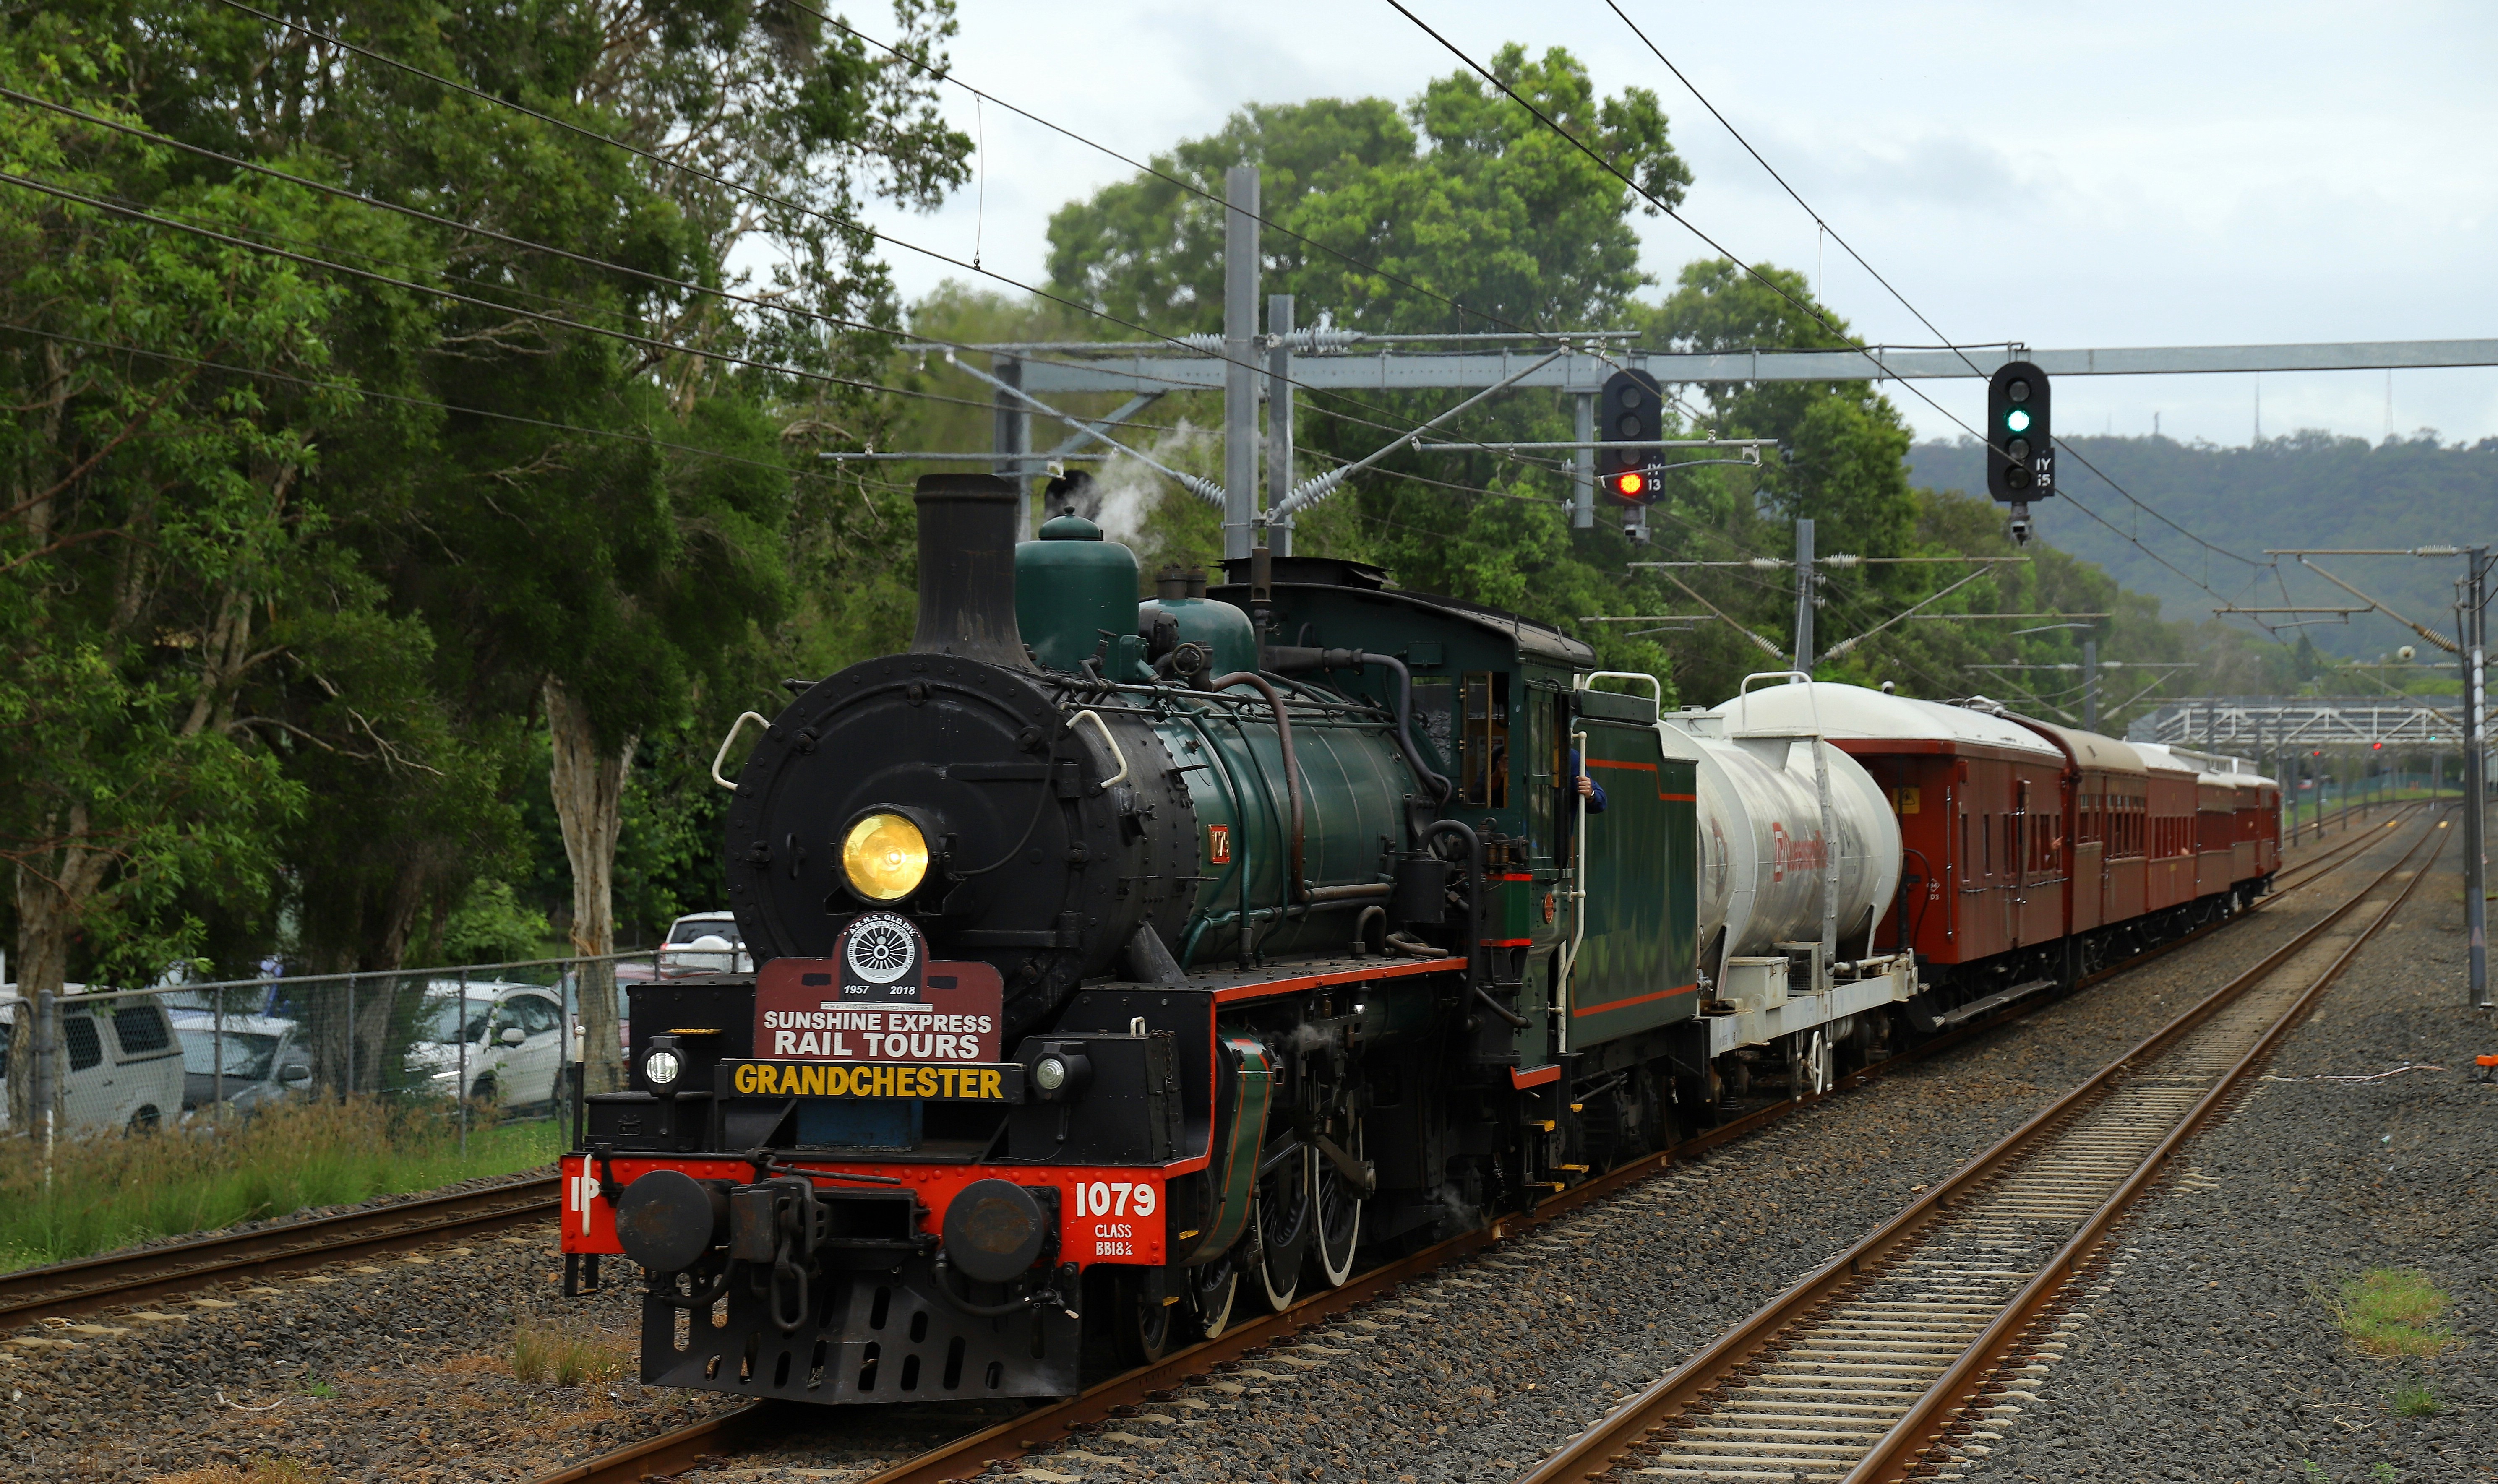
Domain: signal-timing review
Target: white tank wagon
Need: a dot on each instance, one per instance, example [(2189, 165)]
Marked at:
[(1799, 858), (1764, 850)]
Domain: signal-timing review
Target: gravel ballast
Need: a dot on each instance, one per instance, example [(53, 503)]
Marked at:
[(2207, 1351), (394, 1370)]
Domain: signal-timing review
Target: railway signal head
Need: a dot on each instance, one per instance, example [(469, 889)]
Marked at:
[(2020, 446), (1630, 411)]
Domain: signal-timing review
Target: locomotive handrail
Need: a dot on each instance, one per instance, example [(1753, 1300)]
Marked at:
[(1656, 687), (734, 727), (1104, 727)]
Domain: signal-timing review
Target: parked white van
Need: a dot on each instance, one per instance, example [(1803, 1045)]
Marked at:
[(124, 1068)]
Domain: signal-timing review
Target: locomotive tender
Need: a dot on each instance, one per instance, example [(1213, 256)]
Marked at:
[(1121, 963)]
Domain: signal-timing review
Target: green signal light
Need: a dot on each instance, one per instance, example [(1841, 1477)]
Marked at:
[(2018, 419)]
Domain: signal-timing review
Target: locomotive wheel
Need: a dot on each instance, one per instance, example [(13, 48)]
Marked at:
[(1338, 1219), (1140, 1326), (1209, 1292), (1285, 1222)]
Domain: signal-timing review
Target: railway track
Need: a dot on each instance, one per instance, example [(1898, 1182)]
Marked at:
[(2293, 875), (150, 1272), (1896, 1350), (756, 1426)]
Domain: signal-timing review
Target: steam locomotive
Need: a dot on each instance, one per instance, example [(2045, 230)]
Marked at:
[(1122, 964)]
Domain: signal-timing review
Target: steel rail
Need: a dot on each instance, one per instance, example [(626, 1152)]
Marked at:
[(2332, 857), (1917, 1433), (148, 1273), (754, 1422), (1597, 1452)]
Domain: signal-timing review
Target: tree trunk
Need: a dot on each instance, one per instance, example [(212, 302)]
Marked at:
[(50, 890), (589, 786)]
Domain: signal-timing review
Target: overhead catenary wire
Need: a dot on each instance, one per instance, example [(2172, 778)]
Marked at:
[(849, 225), (454, 224), (307, 259), (1846, 246), (358, 390), (948, 76)]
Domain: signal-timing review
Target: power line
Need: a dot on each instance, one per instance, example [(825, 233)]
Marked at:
[(1145, 167), (1930, 329), (847, 225), (647, 342), (355, 390)]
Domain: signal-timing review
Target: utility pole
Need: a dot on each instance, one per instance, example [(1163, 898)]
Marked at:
[(2476, 771), (1010, 435), (2090, 684), (1279, 419), (1583, 464), (1241, 368), (1806, 577)]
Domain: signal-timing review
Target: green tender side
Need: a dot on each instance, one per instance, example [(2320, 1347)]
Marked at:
[(1634, 969)]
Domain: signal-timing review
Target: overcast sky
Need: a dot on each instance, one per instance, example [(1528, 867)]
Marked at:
[(2066, 175)]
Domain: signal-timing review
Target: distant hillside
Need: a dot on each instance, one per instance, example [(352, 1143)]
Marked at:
[(2309, 490)]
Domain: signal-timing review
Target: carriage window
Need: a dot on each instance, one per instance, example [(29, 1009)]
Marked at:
[(1964, 844), (1986, 841)]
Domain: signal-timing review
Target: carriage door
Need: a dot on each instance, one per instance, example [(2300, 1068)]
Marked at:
[(2017, 862)]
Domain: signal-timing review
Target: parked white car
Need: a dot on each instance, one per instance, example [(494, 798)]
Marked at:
[(704, 943), (124, 1069), (514, 1035), (265, 1059)]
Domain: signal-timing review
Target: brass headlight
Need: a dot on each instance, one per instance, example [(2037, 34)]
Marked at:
[(884, 857)]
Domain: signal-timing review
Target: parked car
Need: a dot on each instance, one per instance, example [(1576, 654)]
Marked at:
[(124, 1067), (265, 1059), (704, 943), (513, 1033)]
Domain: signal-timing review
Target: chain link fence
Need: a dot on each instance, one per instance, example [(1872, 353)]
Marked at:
[(477, 1042)]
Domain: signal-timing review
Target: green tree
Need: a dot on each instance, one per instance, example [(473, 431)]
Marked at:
[(308, 591), (170, 566), (1462, 197), (1456, 213)]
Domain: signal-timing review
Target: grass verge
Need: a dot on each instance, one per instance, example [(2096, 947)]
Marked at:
[(2394, 1311), (2412, 1398), (268, 1468), (114, 1189), (563, 1353)]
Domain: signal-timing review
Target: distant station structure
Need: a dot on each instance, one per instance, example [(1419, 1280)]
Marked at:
[(2256, 725)]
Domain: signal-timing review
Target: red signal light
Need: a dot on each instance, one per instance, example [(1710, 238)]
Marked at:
[(1630, 486)]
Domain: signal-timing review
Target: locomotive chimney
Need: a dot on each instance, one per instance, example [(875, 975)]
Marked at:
[(967, 548)]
